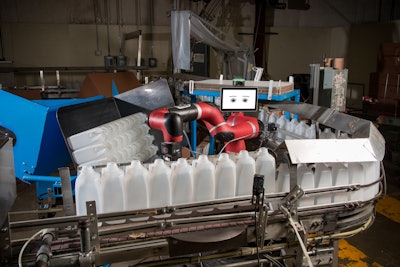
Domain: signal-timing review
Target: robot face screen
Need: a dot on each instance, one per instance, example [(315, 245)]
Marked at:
[(239, 99)]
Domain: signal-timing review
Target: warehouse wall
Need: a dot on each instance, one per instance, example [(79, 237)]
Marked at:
[(364, 46), (294, 49), (62, 33), (74, 45), (290, 51)]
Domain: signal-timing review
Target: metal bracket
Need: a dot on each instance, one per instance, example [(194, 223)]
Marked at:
[(258, 200), (262, 224), (5, 243), (289, 203), (47, 204), (289, 209), (93, 229)]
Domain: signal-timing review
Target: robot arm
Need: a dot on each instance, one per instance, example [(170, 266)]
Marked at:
[(233, 131)]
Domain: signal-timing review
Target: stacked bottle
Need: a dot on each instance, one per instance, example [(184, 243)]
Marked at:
[(120, 140)]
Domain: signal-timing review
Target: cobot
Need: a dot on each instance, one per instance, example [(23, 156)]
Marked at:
[(232, 131)]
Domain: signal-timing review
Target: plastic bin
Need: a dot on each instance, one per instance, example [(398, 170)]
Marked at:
[(75, 119)]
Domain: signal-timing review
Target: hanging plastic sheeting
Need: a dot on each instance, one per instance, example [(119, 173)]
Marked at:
[(180, 33), (185, 24)]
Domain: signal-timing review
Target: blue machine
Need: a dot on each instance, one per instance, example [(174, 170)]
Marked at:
[(39, 148)]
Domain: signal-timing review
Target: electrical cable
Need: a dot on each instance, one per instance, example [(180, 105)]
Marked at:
[(303, 247), (384, 179), (26, 244), (188, 141), (273, 261), (348, 234), (233, 140)]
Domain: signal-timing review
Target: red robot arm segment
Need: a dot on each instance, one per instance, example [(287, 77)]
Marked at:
[(170, 124), (235, 130)]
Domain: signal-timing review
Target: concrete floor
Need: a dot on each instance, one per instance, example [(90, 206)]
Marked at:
[(377, 246)]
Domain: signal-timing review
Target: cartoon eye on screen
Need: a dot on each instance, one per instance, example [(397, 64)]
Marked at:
[(239, 99)]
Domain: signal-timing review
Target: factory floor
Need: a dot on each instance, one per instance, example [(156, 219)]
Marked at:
[(376, 246)]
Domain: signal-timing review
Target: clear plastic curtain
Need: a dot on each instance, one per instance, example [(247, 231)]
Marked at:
[(180, 34), (185, 24)]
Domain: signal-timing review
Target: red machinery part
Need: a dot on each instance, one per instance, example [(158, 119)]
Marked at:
[(233, 132)]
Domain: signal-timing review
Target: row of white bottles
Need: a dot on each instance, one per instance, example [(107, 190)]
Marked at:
[(329, 176), (290, 128), (121, 140), (159, 184)]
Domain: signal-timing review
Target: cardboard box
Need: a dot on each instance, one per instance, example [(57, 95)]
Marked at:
[(389, 49), (101, 83)]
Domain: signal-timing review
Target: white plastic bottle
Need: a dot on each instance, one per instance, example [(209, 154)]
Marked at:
[(310, 132), (225, 177), (265, 165), (159, 184), (112, 189), (87, 188), (135, 119), (139, 131), (283, 178), (356, 177), (305, 179), (204, 179), (272, 118), (135, 185), (89, 137), (323, 179), (245, 170), (282, 122), (263, 116), (143, 143), (147, 152), (327, 134), (340, 177), (301, 129), (181, 182), (371, 174), (291, 127), (91, 152)]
